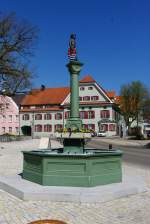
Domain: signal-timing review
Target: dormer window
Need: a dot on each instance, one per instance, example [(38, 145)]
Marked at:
[(81, 88)]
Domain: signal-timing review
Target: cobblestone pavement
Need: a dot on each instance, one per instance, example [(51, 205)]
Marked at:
[(133, 210)]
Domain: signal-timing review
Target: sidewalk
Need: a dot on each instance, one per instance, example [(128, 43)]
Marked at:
[(123, 141)]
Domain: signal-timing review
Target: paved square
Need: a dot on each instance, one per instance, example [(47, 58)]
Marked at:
[(133, 210)]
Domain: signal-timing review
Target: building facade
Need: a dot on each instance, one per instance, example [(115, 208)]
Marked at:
[(45, 110), (9, 116)]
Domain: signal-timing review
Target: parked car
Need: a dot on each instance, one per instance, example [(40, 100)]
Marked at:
[(93, 133), (148, 134), (101, 134)]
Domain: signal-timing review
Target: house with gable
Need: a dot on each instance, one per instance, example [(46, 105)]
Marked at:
[(45, 110), (9, 116)]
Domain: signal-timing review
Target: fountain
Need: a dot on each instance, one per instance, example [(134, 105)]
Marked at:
[(73, 165)]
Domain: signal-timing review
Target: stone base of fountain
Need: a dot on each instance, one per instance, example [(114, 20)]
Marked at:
[(59, 168)]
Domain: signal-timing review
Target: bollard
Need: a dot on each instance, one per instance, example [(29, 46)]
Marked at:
[(47, 221), (110, 146)]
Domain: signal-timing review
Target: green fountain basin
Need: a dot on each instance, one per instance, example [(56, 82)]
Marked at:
[(57, 168)]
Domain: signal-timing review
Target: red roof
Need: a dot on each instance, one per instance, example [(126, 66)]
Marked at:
[(111, 94), (46, 96), (117, 99), (87, 79)]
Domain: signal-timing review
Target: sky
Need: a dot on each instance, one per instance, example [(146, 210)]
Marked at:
[(113, 39)]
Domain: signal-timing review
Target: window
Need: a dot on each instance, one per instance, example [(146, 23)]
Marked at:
[(47, 128), (25, 117), (87, 114), (10, 118), (7, 105), (47, 117), (104, 127), (85, 126), (17, 129), (91, 114), (82, 114), (38, 128), (58, 116), (47, 106), (58, 127), (4, 118), (10, 129), (39, 106), (3, 129), (81, 88), (91, 127), (67, 114), (112, 127), (86, 98), (38, 117), (94, 98), (80, 98), (90, 88), (105, 113), (17, 117)]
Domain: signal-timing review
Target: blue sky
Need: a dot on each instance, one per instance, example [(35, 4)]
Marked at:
[(113, 39)]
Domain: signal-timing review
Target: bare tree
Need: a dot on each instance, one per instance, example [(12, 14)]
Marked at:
[(133, 99), (17, 44)]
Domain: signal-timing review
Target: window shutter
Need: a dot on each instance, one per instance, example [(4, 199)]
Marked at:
[(50, 128), (108, 114), (101, 114), (66, 115), (106, 127), (93, 114), (93, 127), (85, 114)]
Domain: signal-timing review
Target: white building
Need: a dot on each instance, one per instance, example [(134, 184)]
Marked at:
[(45, 110)]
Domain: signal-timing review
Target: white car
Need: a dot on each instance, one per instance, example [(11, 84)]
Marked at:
[(101, 134)]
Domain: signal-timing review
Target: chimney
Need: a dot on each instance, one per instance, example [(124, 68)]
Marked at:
[(42, 87)]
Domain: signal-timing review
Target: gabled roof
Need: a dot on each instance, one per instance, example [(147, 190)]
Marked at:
[(46, 96), (111, 94), (87, 79)]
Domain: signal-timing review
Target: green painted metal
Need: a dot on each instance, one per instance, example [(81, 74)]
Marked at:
[(73, 145), (74, 68), (72, 170)]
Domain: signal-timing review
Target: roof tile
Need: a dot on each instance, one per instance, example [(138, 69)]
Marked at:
[(46, 96), (87, 79)]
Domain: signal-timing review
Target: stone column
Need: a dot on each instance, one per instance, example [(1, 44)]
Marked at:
[(74, 121)]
